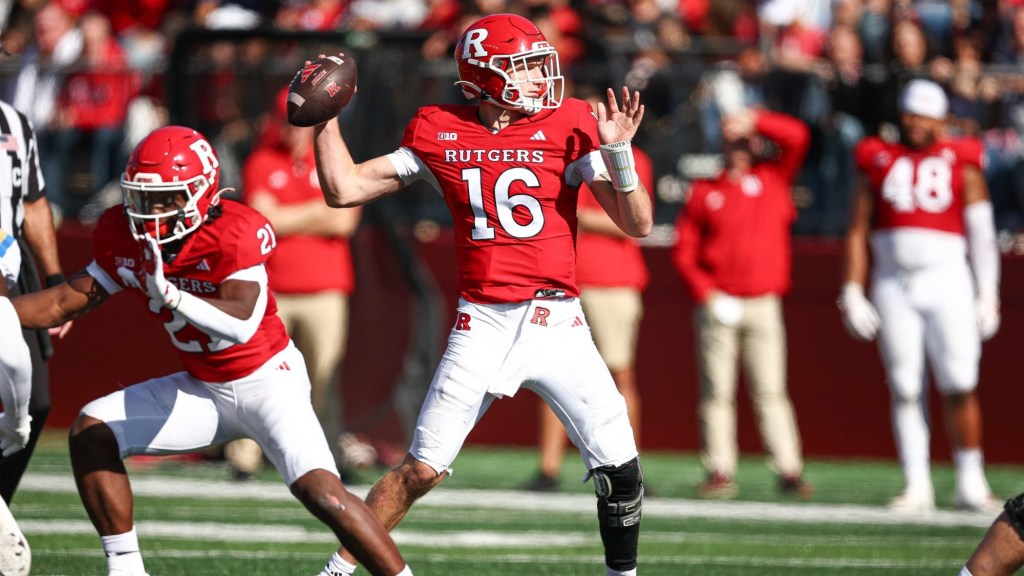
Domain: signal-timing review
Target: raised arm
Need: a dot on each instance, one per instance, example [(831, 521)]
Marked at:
[(619, 191), (344, 182)]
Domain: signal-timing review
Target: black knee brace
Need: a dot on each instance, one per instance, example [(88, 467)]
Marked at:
[(620, 494), (1015, 512)]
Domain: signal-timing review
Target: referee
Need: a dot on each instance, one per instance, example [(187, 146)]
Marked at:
[(25, 214)]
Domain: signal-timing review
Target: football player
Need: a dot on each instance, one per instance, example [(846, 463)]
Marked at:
[(197, 263), (15, 390), (922, 207), (509, 168)]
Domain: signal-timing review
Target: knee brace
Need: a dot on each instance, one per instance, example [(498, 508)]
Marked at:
[(1015, 513), (620, 494)]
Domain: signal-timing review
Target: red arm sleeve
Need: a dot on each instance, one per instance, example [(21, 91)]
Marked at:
[(687, 247), (790, 134)]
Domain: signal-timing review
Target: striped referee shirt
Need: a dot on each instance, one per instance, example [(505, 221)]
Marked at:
[(21, 177)]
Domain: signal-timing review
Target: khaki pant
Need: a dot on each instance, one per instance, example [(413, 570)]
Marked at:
[(758, 340), (614, 317), (318, 324)]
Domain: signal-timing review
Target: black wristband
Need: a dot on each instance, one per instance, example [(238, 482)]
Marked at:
[(54, 279)]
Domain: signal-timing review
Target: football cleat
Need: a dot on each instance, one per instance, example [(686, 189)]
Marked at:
[(15, 554), (913, 502)]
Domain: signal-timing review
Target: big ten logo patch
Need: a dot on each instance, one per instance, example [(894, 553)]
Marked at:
[(540, 316), (462, 321)]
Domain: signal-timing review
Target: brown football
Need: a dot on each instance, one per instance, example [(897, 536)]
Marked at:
[(321, 90)]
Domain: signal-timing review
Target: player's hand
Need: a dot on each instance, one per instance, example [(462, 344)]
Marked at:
[(859, 315), (619, 123), (728, 310), (987, 307), (14, 434), (160, 291)]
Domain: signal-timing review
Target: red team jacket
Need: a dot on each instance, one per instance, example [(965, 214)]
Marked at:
[(302, 263), (918, 188), (240, 238), (512, 195), (734, 236)]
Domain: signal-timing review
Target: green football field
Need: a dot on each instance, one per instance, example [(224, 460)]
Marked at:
[(192, 520)]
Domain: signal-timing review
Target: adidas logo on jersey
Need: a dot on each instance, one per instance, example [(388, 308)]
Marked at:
[(539, 136), (203, 265)]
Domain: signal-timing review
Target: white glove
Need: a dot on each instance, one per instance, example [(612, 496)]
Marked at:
[(13, 435), (160, 291), (987, 307), (859, 316), (725, 308)]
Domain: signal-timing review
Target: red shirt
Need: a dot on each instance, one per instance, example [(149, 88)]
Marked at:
[(235, 241), (918, 188), (98, 96), (514, 212), (734, 235), (302, 263), (612, 261)]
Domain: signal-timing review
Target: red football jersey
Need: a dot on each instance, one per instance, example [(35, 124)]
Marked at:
[(918, 188), (240, 238), (512, 195)]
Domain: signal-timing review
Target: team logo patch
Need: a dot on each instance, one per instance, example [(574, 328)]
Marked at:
[(714, 200), (450, 136), (332, 89)]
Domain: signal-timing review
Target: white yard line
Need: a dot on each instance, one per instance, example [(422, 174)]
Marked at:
[(529, 501)]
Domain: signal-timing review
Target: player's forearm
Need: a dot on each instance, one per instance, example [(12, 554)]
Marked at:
[(222, 319), (334, 164), (598, 222), (635, 212)]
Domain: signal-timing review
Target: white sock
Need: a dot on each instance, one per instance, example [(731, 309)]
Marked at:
[(123, 554), (613, 572), (970, 473), (912, 443), (965, 572), (337, 566), (405, 571)]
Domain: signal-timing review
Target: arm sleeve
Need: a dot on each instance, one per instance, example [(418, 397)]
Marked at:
[(982, 250), (411, 168), (211, 320)]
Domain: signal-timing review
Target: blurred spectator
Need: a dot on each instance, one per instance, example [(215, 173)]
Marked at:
[(386, 14), (875, 29), (311, 268), (90, 116), (310, 14), (733, 253), (232, 14), (58, 43)]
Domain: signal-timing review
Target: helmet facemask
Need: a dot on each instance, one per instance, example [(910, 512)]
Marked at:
[(166, 211), (512, 92)]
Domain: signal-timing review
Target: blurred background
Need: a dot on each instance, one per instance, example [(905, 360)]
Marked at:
[(95, 76)]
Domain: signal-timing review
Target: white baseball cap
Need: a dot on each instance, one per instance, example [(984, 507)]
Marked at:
[(924, 98)]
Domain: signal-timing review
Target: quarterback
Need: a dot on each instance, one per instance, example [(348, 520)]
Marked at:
[(509, 169), (198, 264), (923, 206)]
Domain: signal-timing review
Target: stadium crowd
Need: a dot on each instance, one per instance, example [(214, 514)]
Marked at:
[(92, 75)]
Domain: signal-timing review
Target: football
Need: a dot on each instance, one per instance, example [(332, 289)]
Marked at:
[(321, 90)]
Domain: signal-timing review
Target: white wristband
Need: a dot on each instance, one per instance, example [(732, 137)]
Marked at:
[(618, 160)]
